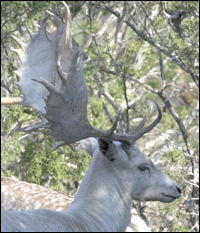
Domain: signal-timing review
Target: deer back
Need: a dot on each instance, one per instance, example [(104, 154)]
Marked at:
[(19, 195)]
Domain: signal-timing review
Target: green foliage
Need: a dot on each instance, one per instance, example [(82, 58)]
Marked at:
[(33, 161), (195, 147), (10, 152), (29, 156), (175, 156), (174, 225)]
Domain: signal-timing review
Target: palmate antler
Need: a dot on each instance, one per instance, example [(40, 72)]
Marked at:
[(52, 81)]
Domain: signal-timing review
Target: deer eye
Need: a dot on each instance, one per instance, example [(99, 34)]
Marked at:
[(143, 167), (112, 159)]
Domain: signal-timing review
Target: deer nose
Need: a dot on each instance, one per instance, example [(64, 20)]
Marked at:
[(178, 189)]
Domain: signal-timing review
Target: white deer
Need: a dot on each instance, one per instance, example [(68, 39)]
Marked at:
[(19, 195), (52, 81), (117, 174)]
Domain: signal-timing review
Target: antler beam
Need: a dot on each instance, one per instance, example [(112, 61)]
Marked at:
[(52, 81)]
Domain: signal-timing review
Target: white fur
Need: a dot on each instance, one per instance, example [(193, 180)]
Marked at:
[(104, 199)]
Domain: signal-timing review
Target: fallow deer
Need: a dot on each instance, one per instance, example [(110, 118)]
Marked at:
[(52, 81), (19, 195)]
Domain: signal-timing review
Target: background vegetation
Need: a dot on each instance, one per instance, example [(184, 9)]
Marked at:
[(147, 51)]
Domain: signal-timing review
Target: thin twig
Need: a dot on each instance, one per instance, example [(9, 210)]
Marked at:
[(153, 43), (127, 104)]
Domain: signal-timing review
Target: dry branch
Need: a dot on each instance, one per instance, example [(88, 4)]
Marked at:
[(11, 101)]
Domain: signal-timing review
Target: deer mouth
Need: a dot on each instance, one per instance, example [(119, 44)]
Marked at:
[(170, 196)]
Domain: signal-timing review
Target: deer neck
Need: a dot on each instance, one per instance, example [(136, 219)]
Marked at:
[(102, 199)]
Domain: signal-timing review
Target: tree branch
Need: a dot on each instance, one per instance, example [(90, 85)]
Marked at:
[(11, 101)]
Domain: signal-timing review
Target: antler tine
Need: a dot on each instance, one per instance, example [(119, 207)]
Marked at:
[(56, 19), (62, 74), (20, 54), (68, 25), (151, 126), (67, 14), (20, 42), (42, 27), (139, 127), (84, 47), (110, 131), (47, 84), (29, 31), (130, 139)]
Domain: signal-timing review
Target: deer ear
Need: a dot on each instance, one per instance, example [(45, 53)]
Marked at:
[(89, 145), (107, 148)]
